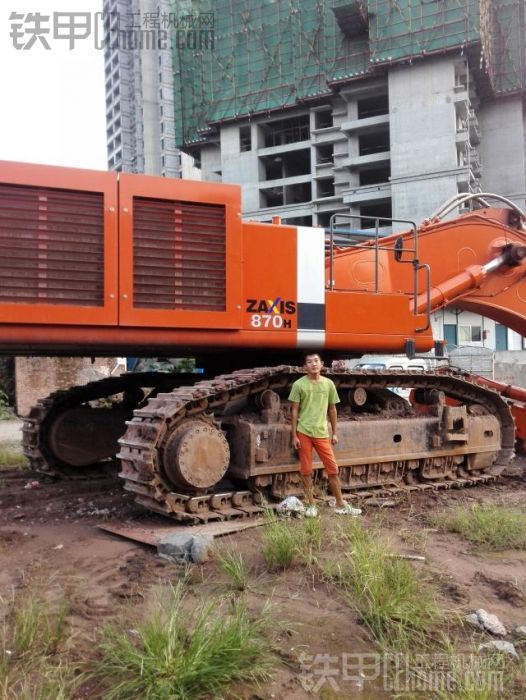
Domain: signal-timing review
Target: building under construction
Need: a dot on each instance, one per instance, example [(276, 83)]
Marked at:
[(380, 108), (386, 106)]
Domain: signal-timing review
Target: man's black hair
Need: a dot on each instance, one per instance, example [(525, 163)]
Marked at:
[(308, 353)]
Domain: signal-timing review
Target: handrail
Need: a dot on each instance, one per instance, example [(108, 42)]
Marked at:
[(376, 246)]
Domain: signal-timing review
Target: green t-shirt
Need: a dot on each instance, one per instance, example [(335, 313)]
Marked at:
[(314, 399)]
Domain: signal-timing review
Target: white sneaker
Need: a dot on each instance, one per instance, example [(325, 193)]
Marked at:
[(348, 510), (311, 512)]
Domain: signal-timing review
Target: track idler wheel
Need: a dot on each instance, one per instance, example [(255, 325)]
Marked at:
[(83, 435), (195, 456)]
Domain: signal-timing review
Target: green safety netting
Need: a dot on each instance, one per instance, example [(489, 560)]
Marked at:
[(254, 56)]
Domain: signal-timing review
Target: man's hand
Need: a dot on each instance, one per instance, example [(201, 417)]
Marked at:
[(296, 443), (334, 439)]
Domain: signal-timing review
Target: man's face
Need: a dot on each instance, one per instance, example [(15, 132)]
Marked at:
[(313, 364)]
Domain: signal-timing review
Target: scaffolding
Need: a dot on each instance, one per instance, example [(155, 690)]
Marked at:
[(412, 28), (507, 34), (272, 54)]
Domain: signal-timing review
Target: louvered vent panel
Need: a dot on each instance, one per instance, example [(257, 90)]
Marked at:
[(51, 246), (178, 255)]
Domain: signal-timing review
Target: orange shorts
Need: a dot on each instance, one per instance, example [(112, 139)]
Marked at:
[(323, 448)]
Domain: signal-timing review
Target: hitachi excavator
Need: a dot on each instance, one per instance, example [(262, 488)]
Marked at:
[(98, 263)]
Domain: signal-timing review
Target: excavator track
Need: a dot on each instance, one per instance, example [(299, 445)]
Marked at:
[(38, 425), (147, 445)]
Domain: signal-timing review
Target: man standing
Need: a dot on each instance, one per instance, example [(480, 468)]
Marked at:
[(311, 397)]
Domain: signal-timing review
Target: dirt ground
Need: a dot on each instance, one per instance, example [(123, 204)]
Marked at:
[(48, 533)]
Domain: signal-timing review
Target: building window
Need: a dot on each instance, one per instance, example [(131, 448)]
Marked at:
[(324, 155), (469, 334), (245, 138), (295, 194), (374, 176), (323, 119), (380, 211), (282, 131), (326, 188), (324, 219), (298, 221), (271, 197), (377, 142), (286, 164), (373, 106)]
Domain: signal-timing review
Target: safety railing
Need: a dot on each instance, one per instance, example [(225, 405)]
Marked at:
[(337, 238)]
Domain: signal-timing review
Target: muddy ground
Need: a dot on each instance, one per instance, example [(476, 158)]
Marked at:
[(49, 536)]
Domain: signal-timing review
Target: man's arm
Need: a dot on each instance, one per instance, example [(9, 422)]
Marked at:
[(333, 418), (294, 425)]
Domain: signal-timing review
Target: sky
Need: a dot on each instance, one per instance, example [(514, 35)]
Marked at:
[(52, 100)]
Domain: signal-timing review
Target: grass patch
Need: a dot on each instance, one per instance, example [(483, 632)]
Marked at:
[(285, 540), (32, 637), (309, 539), (279, 543), (387, 593), (235, 567), (185, 653), (34, 629), (11, 457), (492, 526)]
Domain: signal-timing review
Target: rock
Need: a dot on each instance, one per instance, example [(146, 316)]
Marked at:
[(485, 621), (200, 548), (520, 631), (473, 620), (176, 547), (185, 547), (490, 622), (500, 645)]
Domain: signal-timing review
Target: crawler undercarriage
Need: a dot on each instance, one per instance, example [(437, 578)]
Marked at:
[(218, 448)]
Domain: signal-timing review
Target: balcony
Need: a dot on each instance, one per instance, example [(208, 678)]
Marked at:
[(328, 135), (372, 159), (323, 169), (365, 125), (286, 147), (474, 162), (474, 128)]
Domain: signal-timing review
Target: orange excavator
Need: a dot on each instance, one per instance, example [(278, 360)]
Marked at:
[(98, 263)]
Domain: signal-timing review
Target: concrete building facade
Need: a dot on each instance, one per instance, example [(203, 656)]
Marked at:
[(140, 114), (397, 147)]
